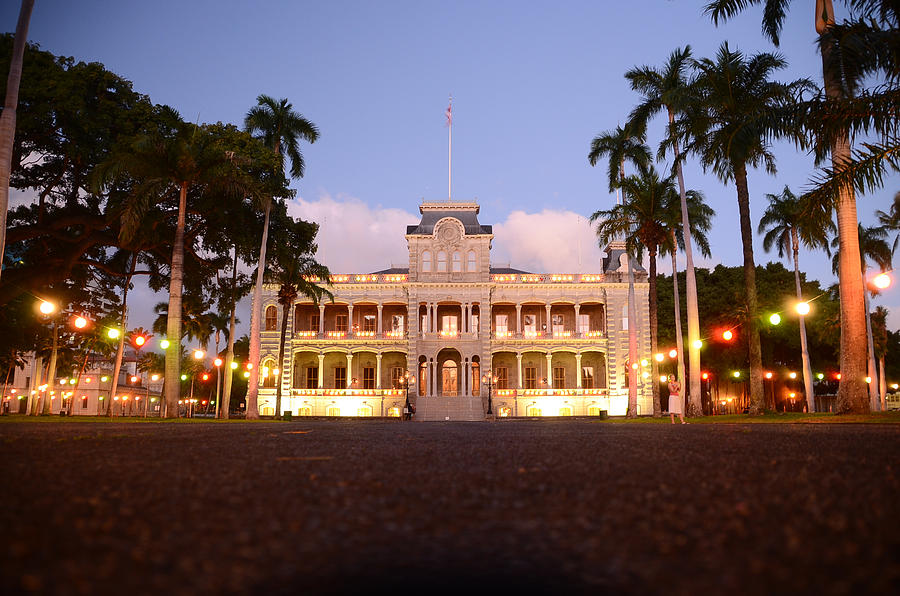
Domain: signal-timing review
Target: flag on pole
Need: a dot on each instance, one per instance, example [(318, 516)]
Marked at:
[(449, 114)]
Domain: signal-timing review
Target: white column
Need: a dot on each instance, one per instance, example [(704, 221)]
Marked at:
[(349, 370), (379, 324), (321, 320), (549, 326), (549, 371), (464, 386), (321, 371), (577, 308), (377, 371), (519, 359), (519, 330), (349, 328), (577, 370), (462, 319)]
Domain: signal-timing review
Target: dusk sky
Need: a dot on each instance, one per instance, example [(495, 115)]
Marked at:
[(532, 84)]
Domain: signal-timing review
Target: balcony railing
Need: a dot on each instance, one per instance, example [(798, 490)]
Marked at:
[(546, 336), (552, 392), (351, 335), (326, 392)]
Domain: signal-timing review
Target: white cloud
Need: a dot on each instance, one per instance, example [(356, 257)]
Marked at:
[(353, 237), (546, 242)]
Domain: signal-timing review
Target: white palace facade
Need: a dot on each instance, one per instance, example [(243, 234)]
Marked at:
[(556, 343)]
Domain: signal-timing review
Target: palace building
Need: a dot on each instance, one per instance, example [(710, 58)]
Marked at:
[(555, 344)]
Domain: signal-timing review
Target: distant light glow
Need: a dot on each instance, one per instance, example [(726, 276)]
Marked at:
[(80, 322), (199, 354), (217, 362), (659, 357), (736, 374), (775, 319), (164, 344), (727, 335), (698, 343), (112, 333), (882, 281), (673, 353), (792, 375), (768, 375), (802, 308), (46, 307), (663, 378)]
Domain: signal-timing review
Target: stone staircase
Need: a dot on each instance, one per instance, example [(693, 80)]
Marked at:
[(449, 408)]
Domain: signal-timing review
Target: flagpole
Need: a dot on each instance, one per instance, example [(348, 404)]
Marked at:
[(449, 146)]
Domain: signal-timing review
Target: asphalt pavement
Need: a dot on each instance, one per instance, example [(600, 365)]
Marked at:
[(513, 507)]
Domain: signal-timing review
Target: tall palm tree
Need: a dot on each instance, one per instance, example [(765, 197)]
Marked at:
[(891, 220), (170, 165), (701, 216), (620, 145), (666, 89), (788, 221), (731, 97), (873, 248), (852, 389), (281, 129), (8, 116)]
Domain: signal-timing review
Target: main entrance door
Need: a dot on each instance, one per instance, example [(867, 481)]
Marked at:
[(450, 376)]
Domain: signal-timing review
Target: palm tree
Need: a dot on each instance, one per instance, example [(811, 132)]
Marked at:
[(181, 161), (879, 333), (619, 146), (786, 223), (731, 96), (666, 90), (851, 392), (643, 216), (281, 129), (873, 247), (891, 220), (8, 116), (701, 216)]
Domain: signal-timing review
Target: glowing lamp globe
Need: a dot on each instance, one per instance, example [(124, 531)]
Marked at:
[(868, 379), (217, 362), (704, 376), (164, 344), (802, 308), (46, 307), (205, 377), (134, 379), (673, 353), (768, 375), (112, 333), (140, 340), (154, 377), (659, 357), (644, 362), (882, 281), (820, 376), (234, 365), (792, 375), (199, 354), (663, 378), (184, 377), (80, 322), (727, 335), (698, 343), (736, 374), (775, 319)]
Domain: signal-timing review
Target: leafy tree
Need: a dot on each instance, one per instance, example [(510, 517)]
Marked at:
[(281, 129), (786, 222)]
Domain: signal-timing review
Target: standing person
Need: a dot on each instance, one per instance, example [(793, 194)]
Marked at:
[(675, 404)]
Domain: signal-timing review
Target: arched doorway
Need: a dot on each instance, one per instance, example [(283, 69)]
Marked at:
[(449, 365)]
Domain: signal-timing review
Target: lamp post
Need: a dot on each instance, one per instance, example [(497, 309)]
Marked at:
[(407, 380), (489, 380)]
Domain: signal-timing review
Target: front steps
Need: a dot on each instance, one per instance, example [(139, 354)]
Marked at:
[(449, 408)]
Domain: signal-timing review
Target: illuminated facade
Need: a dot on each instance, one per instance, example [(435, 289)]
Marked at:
[(557, 344)]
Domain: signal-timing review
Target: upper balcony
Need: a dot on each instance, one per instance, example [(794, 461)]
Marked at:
[(355, 336)]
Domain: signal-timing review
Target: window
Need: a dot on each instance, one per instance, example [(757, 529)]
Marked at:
[(505, 411), (472, 264), (423, 378), (625, 318), (398, 322), (442, 261), (332, 411), (369, 323), (502, 377), (368, 377), (533, 411), (476, 379), (268, 373), (457, 261), (340, 323), (304, 411), (565, 411), (559, 377), (84, 402), (314, 322), (340, 377), (594, 411), (426, 261), (584, 323), (557, 322), (587, 377), (449, 325), (530, 325), (271, 318), (312, 377), (530, 377), (501, 323), (394, 412), (396, 376), (363, 411), (474, 327)]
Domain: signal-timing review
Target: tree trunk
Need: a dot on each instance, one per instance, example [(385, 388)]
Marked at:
[(225, 401), (255, 316), (882, 386), (173, 322), (632, 345), (654, 331), (804, 347), (679, 338), (695, 407), (37, 368), (871, 373), (757, 399), (46, 404), (120, 348), (84, 362), (8, 117), (284, 319)]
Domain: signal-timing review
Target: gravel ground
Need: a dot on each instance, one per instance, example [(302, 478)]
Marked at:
[(339, 507)]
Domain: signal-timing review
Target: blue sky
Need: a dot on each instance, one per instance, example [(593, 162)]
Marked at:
[(532, 84)]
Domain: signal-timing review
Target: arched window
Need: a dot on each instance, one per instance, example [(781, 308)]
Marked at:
[(426, 261), (457, 261), (442, 261), (271, 318), (268, 372), (472, 264)]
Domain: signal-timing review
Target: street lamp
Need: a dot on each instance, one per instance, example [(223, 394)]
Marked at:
[(489, 380), (407, 379)]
